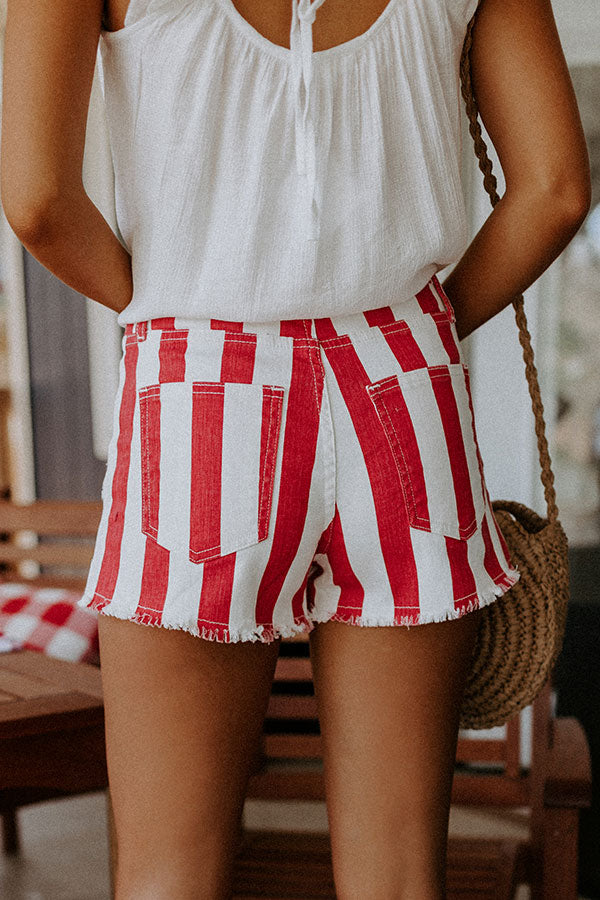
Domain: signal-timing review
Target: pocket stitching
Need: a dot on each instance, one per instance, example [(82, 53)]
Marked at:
[(146, 394), (391, 382), (393, 327), (264, 468), (173, 337), (257, 534), (402, 476), (275, 395), (277, 398)]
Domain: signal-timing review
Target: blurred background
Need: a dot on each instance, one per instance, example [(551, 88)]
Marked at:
[(59, 354)]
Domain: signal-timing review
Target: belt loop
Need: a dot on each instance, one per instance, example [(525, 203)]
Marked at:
[(445, 299), (129, 334), (141, 330)]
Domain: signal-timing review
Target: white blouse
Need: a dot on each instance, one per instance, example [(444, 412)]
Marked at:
[(255, 182)]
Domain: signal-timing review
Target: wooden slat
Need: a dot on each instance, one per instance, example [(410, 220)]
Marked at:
[(293, 668), (310, 746), (273, 784), (513, 747), (66, 554), (471, 750), (484, 868), (285, 865), (62, 712), (74, 676), (290, 706), (568, 782), (288, 746), (51, 517), (490, 790), (25, 524), (22, 686), (290, 782), (41, 694), (559, 861), (5, 698), (65, 582)]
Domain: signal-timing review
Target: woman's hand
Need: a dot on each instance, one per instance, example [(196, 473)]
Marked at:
[(49, 57), (527, 103)]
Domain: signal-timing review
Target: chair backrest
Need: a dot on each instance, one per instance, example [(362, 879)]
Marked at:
[(48, 542), (51, 543), (488, 769)]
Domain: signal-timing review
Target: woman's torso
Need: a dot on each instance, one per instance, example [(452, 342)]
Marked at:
[(213, 149)]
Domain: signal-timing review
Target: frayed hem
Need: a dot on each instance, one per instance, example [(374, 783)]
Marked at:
[(267, 633), (212, 631), (501, 585)]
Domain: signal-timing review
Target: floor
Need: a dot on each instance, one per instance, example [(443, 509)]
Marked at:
[(65, 846)]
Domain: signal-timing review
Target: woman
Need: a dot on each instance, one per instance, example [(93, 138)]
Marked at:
[(294, 447)]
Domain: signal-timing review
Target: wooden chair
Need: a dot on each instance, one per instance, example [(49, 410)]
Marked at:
[(489, 774), (48, 542), (51, 710)]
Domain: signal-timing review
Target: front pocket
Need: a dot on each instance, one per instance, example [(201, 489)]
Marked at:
[(427, 419), (208, 453)]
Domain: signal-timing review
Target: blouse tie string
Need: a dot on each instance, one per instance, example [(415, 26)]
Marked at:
[(301, 47)]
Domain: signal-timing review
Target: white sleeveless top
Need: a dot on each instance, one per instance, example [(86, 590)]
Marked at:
[(255, 182)]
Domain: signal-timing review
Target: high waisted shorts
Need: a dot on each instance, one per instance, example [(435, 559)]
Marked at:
[(265, 476)]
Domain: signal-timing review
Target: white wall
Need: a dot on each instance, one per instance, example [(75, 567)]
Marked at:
[(578, 23)]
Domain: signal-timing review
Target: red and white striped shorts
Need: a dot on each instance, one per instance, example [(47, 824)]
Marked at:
[(262, 477)]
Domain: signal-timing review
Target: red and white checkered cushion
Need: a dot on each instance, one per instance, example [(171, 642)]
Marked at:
[(47, 619)]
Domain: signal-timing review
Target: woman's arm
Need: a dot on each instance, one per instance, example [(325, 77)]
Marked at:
[(49, 57), (526, 101)]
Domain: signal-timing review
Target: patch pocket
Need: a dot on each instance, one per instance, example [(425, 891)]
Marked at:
[(428, 421), (208, 453)]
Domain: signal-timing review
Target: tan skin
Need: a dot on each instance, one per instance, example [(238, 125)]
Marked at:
[(178, 751)]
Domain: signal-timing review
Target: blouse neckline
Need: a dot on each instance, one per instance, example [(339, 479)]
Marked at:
[(259, 40)]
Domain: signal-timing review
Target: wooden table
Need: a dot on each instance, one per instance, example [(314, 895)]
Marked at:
[(51, 733)]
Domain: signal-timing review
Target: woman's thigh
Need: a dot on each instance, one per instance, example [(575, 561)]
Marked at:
[(389, 702), (183, 721)]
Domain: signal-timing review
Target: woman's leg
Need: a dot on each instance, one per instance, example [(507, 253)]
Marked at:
[(389, 700), (183, 719)]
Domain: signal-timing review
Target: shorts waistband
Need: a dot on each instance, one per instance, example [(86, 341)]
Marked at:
[(430, 299)]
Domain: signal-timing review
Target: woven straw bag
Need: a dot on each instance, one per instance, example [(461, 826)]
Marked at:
[(521, 633)]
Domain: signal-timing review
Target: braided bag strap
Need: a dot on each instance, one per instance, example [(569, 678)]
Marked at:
[(490, 183)]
